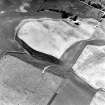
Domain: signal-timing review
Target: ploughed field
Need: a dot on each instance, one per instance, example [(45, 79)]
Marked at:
[(52, 53)]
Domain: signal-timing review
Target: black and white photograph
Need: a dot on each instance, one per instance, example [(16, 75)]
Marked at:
[(52, 52)]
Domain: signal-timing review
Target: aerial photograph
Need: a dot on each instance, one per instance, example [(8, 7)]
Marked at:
[(52, 52)]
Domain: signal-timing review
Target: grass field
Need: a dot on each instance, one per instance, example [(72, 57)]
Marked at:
[(23, 84)]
